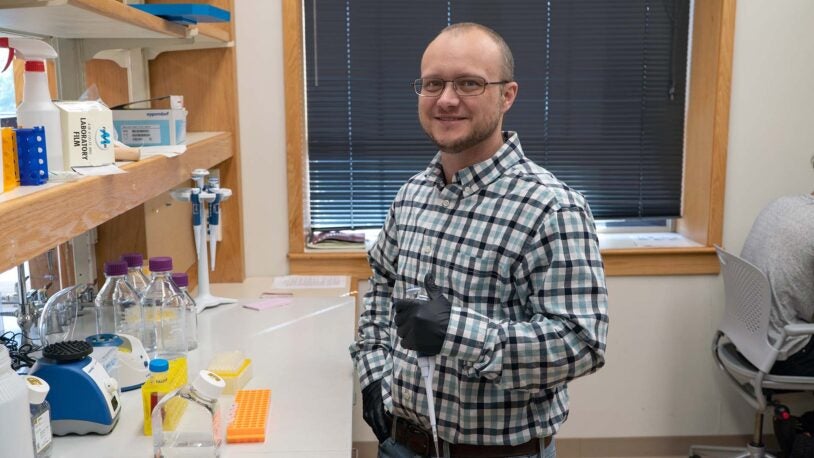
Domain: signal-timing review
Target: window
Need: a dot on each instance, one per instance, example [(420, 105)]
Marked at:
[(601, 103), (7, 102), (706, 133)]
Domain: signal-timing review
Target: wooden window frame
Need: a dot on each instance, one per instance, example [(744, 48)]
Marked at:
[(706, 138)]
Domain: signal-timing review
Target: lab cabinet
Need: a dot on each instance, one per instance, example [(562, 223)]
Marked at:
[(128, 54)]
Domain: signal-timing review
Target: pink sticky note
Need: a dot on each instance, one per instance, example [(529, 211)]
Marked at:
[(267, 304)]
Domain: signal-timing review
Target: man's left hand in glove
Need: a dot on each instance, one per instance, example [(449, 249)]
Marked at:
[(422, 324)]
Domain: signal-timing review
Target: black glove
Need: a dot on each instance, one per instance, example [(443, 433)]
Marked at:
[(422, 324), (373, 411)]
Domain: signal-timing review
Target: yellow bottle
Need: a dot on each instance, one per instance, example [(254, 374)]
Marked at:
[(165, 376), (154, 389)]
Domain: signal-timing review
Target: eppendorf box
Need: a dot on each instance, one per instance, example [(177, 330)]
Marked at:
[(152, 127), (87, 133)]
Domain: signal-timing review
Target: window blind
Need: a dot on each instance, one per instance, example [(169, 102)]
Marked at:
[(601, 101)]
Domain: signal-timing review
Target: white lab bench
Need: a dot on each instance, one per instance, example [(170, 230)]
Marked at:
[(299, 351)]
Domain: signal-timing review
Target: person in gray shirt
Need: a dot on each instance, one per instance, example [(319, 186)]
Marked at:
[(781, 244)]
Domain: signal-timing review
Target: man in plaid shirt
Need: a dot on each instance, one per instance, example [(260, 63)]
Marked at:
[(509, 259)]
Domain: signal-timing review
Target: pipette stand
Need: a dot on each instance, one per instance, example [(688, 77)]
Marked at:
[(204, 297)]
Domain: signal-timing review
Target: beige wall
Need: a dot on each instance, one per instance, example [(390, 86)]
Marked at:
[(259, 41), (660, 379)]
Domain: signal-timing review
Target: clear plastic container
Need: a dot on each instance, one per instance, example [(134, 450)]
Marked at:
[(135, 275), (187, 422), (118, 306), (182, 280), (164, 313), (15, 435), (40, 416)]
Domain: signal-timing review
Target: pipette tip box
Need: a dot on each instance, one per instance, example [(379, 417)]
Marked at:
[(233, 368)]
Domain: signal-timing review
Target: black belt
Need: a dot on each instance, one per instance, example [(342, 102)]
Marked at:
[(420, 442)]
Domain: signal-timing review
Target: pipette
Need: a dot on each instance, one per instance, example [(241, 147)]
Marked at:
[(214, 226), (197, 226), (198, 177), (427, 366), (214, 218)]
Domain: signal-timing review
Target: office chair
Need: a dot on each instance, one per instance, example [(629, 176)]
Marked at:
[(742, 350)]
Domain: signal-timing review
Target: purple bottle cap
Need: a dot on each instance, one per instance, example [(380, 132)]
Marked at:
[(161, 264), (181, 279), (115, 268), (133, 259)]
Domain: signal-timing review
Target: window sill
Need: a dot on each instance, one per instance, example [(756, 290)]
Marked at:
[(695, 260)]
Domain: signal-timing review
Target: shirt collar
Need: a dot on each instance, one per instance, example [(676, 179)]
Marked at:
[(476, 176)]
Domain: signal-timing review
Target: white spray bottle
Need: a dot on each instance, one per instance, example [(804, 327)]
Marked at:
[(37, 109)]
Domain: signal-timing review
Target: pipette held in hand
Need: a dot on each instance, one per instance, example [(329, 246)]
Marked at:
[(427, 365)]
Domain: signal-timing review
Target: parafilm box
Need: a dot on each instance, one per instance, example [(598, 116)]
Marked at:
[(152, 127), (87, 133)]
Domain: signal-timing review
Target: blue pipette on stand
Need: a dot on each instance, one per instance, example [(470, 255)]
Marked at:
[(427, 366), (197, 223)]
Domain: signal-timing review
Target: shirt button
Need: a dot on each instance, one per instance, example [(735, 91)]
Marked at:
[(468, 189), (427, 250), (445, 203)]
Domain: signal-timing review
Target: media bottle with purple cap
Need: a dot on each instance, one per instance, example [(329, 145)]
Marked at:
[(117, 306), (135, 274), (164, 313), (182, 280)]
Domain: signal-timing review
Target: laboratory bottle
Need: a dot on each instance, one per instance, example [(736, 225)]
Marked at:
[(40, 415), (15, 435), (37, 109), (181, 279), (118, 306), (186, 422), (164, 312), (156, 387), (135, 274)]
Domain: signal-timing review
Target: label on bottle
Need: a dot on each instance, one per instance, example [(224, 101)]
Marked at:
[(42, 431)]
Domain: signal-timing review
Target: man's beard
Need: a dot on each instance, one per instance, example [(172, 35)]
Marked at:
[(478, 135)]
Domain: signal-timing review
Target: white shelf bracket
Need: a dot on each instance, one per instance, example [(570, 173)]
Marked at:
[(138, 72), (152, 46)]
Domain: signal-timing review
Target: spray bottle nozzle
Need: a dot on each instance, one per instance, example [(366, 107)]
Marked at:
[(4, 44), (29, 49)]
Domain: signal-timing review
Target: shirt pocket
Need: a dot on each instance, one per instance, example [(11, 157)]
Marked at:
[(415, 260), (475, 278)]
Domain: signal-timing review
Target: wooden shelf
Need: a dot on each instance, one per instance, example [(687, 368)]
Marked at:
[(618, 262), (35, 219), (95, 19)]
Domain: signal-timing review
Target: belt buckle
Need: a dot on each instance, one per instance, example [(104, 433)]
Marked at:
[(422, 447)]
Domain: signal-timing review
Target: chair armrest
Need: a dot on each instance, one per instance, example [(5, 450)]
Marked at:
[(798, 329)]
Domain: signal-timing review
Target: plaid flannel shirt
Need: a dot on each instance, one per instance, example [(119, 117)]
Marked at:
[(516, 253)]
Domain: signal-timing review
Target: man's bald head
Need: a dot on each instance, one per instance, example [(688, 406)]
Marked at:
[(507, 70)]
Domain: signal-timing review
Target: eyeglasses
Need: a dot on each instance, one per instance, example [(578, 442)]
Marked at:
[(464, 86)]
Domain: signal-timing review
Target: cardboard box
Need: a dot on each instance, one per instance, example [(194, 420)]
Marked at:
[(87, 133), (152, 127)]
